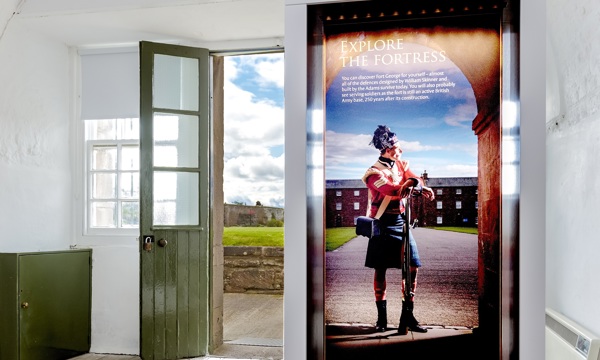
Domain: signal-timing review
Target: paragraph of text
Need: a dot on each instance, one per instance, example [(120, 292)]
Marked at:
[(394, 87)]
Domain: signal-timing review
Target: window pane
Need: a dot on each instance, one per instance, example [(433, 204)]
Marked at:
[(130, 129), (176, 140), (175, 82), (130, 211), (129, 186), (104, 186), (176, 198), (104, 158), (102, 129), (130, 157), (104, 214)]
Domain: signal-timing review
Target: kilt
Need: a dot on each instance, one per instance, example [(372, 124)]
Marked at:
[(384, 251)]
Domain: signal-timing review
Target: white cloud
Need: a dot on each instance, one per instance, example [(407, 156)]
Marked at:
[(252, 128), (349, 155), (451, 170), (346, 149), (461, 115), (271, 71)]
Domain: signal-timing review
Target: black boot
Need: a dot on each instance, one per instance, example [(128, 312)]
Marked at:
[(381, 324), (408, 321)]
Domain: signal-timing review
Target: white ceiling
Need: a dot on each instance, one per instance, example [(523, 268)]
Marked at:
[(216, 24)]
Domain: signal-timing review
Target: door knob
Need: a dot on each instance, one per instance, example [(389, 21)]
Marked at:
[(25, 305), (162, 243)]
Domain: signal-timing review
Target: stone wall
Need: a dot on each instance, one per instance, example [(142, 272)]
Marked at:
[(244, 215), (253, 269)]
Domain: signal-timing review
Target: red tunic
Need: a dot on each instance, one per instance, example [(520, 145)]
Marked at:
[(381, 180)]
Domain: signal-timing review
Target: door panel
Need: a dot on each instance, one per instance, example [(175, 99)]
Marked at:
[(174, 201), (55, 324)]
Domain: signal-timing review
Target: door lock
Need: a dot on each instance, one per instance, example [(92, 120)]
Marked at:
[(148, 240)]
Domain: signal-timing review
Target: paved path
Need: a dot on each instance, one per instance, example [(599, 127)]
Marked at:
[(446, 290)]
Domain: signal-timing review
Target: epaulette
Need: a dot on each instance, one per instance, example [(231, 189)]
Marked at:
[(371, 171)]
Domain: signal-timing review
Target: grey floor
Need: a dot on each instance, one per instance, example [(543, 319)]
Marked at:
[(252, 329)]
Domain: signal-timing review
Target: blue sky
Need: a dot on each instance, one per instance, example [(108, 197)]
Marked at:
[(254, 130), (435, 134)]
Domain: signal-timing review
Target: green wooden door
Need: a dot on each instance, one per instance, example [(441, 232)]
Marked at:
[(174, 201)]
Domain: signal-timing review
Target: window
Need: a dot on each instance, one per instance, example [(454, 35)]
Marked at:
[(338, 193), (112, 174), (458, 191), (356, 206), (338, 206), (356, 192), (438, 192), (438, 205), (459, 204), (439, 220), (476, 204)]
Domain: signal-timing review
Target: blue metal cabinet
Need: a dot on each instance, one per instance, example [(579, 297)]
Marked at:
[(45, 305)]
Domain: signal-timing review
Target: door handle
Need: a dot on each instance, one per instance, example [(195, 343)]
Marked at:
[(25, 305), (162, 242)]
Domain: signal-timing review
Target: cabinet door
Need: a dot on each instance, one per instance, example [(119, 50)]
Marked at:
[(54, 299)]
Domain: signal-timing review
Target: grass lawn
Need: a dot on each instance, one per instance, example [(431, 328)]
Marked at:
[(273, 236), (252, 236), (336, 237), (467, 230)]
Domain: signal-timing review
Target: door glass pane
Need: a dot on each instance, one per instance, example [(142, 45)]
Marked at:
[(176, 140), (176, 198), (175, 84)]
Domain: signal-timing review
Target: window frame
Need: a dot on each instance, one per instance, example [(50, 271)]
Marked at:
[(87, 180)]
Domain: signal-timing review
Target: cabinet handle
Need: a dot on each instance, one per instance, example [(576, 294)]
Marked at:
[(25, 305)]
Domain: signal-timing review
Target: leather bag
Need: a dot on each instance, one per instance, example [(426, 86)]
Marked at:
[(371, 227)]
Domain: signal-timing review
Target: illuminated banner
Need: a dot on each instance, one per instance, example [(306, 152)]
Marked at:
[(435, 84)]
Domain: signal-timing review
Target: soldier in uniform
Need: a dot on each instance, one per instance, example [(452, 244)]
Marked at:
[(391, 176)]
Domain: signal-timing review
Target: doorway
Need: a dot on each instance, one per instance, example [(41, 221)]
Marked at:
[(253, 180)]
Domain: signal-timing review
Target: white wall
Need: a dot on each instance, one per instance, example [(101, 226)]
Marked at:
[(39, 181), (573, 170), (35, 177)]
